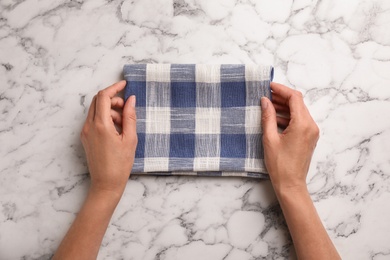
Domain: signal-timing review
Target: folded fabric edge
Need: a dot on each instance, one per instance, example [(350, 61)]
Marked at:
[(140, 67), (255, 175)]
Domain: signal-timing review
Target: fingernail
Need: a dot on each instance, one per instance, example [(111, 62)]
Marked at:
[(132, 101), (263, 103)]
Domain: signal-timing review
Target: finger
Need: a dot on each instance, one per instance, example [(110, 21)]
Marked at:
[(91, 110), (114, 89), (117, 102), (281, 90), (281, 108), (278, 99), (292, 98), (282, 122), (103, 100), (129, 119), (268, 119), (284, 115), (116, 117)]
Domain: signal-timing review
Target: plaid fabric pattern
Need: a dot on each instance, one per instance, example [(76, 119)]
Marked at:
[(198, 119)]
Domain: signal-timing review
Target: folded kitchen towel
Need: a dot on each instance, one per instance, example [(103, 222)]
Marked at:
[(198, 119)]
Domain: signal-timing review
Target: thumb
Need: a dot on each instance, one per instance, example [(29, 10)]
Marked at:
[(268, 119), (129, 122)]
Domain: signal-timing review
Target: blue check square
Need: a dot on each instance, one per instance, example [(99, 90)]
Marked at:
[(233, 94), (233, 145), (137, 88), (183, 94), (182, 145)]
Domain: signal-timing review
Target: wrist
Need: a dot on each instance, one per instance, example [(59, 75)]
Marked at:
[(293, 199), (105, 195), (288, 190)]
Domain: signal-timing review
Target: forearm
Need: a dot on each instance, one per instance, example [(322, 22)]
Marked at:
[(86, 233), (310, 238)]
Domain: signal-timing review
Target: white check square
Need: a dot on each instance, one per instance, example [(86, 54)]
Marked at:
[(206, 164), (158, 120), (253, 120), (208, 120), (156, 164), (257, 73), (158, 73), (208, 73), (253, 165)]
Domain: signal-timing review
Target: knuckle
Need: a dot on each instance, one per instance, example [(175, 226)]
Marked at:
[(84, 132), (100, 127), (266, 139), (316, 131), (101, 94), (116, 102), (269, 141), (307, 127), (133, 139), (298, 94), (312, 130)]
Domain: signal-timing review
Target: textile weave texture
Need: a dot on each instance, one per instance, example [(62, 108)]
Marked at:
[(198, 119)]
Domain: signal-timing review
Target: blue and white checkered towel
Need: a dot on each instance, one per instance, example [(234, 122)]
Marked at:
[(198, 119)]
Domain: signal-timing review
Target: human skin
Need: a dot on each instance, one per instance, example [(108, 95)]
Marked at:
[(110, 156), (287, 158)]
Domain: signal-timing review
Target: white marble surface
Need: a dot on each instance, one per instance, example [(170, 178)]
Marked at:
[(55, 55)]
